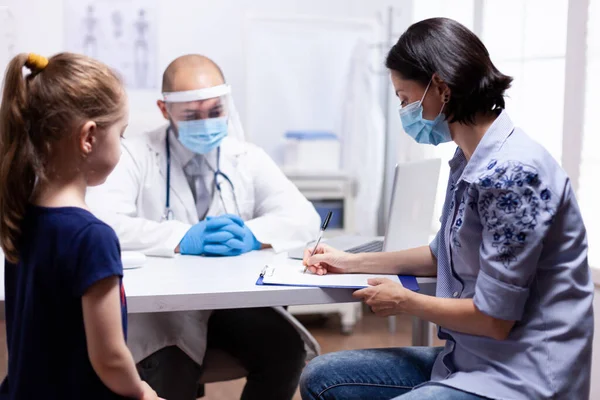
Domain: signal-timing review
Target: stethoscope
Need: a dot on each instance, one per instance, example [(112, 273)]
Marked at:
[(168, 214)]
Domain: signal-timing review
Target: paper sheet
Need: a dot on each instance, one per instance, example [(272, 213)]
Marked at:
[(291, 275)]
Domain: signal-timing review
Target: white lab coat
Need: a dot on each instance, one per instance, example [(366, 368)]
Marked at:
[(132, 201)]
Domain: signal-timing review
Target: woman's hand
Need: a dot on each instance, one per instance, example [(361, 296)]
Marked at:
[(385, 297), (327, 259)]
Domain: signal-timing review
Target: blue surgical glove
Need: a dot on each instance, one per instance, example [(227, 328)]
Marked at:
[(194, 241), (233, 239)]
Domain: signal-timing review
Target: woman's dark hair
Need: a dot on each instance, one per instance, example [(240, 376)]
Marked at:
[(444, 47)]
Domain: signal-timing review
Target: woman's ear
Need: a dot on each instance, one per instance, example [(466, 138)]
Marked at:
[(441, 88), (88, 137)]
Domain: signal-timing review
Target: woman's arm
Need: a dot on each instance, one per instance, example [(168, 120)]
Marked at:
[(461, 315), (418, 261), (107, 350)]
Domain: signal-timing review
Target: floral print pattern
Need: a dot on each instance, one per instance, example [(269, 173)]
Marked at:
[(512, 202)]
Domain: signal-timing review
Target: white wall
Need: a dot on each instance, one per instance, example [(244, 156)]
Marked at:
[(216, 28), (211, 27)]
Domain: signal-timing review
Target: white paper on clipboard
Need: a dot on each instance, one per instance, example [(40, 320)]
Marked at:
[(291, 275)]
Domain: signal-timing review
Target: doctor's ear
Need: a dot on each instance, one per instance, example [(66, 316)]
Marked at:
[(441, 88), (87, 137), (163, 108)]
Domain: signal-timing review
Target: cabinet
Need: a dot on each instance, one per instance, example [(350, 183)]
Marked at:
[(336, 190)]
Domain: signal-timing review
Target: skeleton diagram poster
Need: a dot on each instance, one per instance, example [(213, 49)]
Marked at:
[(121, 33)]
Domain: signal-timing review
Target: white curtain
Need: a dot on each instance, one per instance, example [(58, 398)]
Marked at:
[(363, 136), (299, 66)]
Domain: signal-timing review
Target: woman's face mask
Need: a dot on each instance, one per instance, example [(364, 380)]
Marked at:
[(422, 130)]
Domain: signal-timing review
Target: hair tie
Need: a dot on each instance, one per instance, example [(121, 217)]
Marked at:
[(35, 62)]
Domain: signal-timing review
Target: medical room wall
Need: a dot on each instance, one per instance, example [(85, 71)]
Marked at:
[(220, 30), (214, 28)]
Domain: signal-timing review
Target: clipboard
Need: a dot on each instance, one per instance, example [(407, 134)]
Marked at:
[(288, 275)]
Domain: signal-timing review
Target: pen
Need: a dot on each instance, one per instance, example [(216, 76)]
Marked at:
[(323, 227)]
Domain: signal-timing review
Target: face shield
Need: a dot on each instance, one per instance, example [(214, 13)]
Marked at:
[(202, 118)]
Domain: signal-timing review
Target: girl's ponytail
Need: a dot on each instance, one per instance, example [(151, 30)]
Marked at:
[(18, 169)]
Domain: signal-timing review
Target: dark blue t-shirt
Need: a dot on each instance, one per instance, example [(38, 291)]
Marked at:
[(64, 251)]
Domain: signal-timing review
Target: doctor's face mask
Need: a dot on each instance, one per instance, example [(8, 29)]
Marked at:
[(200, 117)]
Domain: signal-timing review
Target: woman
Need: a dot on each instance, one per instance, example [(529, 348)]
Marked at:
[(514, 294)]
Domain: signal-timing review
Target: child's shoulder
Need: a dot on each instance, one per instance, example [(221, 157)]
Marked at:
[(87, 227), (88, 238), (71, 222)]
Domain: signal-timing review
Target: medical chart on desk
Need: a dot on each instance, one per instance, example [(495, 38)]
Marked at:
[(121, 33), (294, 275)]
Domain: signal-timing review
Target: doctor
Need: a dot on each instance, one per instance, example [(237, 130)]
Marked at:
[(195, 187)]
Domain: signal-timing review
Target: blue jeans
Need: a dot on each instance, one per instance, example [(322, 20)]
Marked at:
[(376, 374)]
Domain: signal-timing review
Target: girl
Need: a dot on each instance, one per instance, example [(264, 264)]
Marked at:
[(514, 293), (66, 317)]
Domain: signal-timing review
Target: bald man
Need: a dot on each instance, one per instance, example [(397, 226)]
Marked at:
[(194, 186)]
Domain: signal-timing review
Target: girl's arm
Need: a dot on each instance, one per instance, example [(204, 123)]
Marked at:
[(107, 350)]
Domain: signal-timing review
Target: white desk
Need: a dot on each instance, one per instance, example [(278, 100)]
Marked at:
[(199, 283)]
